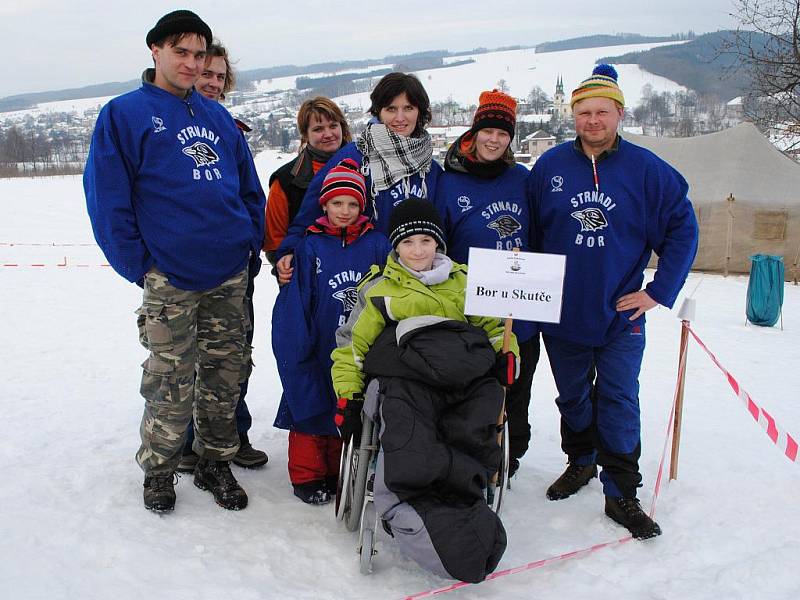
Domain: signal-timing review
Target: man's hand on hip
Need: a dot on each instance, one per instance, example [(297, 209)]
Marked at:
[(638, 301)]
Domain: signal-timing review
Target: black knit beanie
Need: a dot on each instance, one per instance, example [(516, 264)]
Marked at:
[(179, 21), (416, 216)]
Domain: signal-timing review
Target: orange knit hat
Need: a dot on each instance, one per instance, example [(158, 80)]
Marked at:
[(496, 110)]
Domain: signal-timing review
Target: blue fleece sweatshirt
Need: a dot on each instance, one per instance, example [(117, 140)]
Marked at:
[(377, 209), (486, 213), (170, 183), (608, 234), (307, 313)]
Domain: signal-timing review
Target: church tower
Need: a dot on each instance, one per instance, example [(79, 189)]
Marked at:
[(561, 110)]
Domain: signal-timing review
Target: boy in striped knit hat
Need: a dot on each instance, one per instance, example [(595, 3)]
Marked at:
[(337, 250)]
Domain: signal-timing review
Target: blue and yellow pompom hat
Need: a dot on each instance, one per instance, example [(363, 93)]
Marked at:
[(601, 84)]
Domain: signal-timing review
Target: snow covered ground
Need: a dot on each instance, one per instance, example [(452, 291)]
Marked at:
[(72, 523)]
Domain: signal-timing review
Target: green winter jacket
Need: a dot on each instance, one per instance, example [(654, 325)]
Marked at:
[(395, 294)]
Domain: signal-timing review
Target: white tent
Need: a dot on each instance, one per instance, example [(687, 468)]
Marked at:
[(745, 192)]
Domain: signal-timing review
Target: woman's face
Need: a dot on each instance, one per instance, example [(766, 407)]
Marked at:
[(323, 134), (491, 144), (400, 116), (417, 251)]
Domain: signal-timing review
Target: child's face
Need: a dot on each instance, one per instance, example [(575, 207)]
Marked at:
[(417, 251), (342, 210)]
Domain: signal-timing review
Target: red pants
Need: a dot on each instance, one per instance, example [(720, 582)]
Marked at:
[(313, 457)]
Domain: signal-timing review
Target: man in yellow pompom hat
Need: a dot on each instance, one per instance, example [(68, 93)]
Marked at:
[(598, 107), (606, 205)]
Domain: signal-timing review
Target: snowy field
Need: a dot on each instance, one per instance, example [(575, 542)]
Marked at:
[(73, 525)]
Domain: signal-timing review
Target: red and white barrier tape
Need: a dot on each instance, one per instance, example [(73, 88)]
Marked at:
[(781, 438), (45, 244), (590, 549), (60, 265)]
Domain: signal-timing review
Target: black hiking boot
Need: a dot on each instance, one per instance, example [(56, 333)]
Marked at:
[(628, 513), (331, 483), (313, 492), (159, 492), (216, 477), (247, 456), (571, 481), (188, 461)]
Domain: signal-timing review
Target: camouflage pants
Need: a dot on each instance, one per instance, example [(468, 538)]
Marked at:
[(198, 358)]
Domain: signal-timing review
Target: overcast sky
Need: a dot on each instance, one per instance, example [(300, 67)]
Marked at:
[(56, 44)]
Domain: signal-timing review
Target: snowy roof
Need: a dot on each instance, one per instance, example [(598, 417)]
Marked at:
[(451, 131), (637, 129), (533, 118)]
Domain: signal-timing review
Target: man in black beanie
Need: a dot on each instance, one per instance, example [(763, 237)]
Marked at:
[(177, 207), (178, 42)]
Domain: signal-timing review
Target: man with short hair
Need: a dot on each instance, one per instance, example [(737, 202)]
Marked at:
[(607, 204), (177, 207), (217, 79)]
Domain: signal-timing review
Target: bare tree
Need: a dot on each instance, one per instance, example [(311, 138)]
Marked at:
[(539, 100), (768, 44)]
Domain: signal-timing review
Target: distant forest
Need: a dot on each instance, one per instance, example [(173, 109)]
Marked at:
[(618, 39), (699, 65)]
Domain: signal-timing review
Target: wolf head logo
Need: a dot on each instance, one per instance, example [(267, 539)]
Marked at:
[(348, 297), (202, 153), (505, 226), (591, 219)]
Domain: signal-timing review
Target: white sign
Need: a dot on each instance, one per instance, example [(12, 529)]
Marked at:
[(521, 285)]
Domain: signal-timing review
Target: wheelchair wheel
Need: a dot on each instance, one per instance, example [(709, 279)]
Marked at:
[(343, 489), (366, 538), (359, 466), (496, 489)]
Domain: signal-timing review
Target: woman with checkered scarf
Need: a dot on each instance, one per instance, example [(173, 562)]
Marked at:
[(394, 153)]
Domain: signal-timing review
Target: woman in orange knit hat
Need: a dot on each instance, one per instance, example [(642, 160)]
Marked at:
[(482, 197)]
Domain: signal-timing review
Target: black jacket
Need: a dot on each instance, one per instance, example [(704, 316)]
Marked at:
[(438, 411)]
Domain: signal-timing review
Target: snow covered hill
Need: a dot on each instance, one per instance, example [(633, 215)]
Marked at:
[(73, 525), (522, 69)]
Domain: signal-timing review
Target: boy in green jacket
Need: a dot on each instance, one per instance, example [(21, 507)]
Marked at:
[(418, 280)]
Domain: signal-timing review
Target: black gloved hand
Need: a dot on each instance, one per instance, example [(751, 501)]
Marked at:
[(506, 368), (348, 416)]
